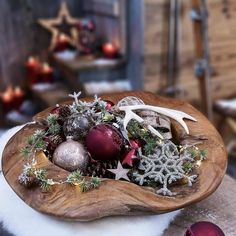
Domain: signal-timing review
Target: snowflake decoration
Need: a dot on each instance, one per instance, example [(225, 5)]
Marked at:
[(165, 166)]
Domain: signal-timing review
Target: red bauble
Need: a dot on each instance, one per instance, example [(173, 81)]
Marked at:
[(204, 228), (109, 105), (104, 142), (55, 110)]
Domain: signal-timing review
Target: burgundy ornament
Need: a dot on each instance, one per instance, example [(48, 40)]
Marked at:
[(109, 105), (55, 110), (204, 228), (87, 35), (104, 142)]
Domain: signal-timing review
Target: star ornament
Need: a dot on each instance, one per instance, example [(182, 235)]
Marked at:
[(61, 21), (120, 172)]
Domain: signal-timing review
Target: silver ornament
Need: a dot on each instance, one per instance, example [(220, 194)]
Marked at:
[(130, 101), (77, 126), (71, 155)]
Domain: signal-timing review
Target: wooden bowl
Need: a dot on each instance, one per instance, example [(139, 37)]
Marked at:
[(118, 197)]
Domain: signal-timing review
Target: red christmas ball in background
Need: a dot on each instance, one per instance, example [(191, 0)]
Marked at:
[(104, 142), (204, 228)]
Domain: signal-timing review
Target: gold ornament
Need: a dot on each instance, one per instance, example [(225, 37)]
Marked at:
[(62, 18)]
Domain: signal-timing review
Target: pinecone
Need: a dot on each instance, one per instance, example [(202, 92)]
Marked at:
[(99, 169), (28, 181), (64, 111), (53, 143)]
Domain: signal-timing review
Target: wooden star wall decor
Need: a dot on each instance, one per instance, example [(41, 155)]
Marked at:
[(63, 19)]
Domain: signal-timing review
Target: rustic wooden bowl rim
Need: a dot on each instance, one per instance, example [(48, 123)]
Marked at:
[(117, 197)]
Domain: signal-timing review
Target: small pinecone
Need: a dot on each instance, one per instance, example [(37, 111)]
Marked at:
[(99, 169), (64, 111), (28, 181), (53, 142)]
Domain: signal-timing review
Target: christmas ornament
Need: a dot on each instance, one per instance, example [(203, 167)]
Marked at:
[(130, 101), (120, 172), (64, 111), (130, 157), (55, 110), (99, 168), (87, 36), (71, 155), (109, 105), (77, 126), (204, 228), (63, 20), (104, 142), (165, 165), (109, 50)]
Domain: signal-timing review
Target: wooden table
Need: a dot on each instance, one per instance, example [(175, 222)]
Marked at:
[(219, 208)]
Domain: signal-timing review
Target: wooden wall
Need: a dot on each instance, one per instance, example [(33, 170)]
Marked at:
[(222, 39), (155, 48), (20, 36)]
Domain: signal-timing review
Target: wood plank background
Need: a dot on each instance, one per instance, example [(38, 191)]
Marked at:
[(20, 34), (222, 34)]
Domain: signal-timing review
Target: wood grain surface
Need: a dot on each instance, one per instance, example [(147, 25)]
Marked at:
[(118, 197)]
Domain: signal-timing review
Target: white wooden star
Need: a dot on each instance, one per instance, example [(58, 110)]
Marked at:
[(120, 172)]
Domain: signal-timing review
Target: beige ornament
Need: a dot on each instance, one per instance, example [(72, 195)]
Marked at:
[(71, 155)]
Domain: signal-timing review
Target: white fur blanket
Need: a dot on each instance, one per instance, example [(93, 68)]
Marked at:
[(21, 220)]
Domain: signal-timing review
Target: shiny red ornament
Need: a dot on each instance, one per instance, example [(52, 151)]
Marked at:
[(55, 110), (204, 228), (109, 105), (104, 142)]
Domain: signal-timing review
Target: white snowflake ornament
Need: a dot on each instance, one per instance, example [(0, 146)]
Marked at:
[(164, 166)]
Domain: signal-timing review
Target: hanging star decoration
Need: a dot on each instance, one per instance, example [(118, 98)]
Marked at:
[(120, 172), (64, 24)]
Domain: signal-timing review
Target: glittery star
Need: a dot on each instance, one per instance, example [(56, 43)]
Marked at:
[(120, 172)]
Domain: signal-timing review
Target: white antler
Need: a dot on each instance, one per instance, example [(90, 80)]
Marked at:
[(174, 114)]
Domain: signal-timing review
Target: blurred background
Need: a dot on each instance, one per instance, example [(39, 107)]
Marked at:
[(184, 49)]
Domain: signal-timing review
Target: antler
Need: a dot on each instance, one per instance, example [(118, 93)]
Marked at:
[(174, 114)]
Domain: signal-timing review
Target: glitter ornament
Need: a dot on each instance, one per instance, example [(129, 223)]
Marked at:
[(71, 155), (77, 126), (130, 101), (104, 142), (204, 228)]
